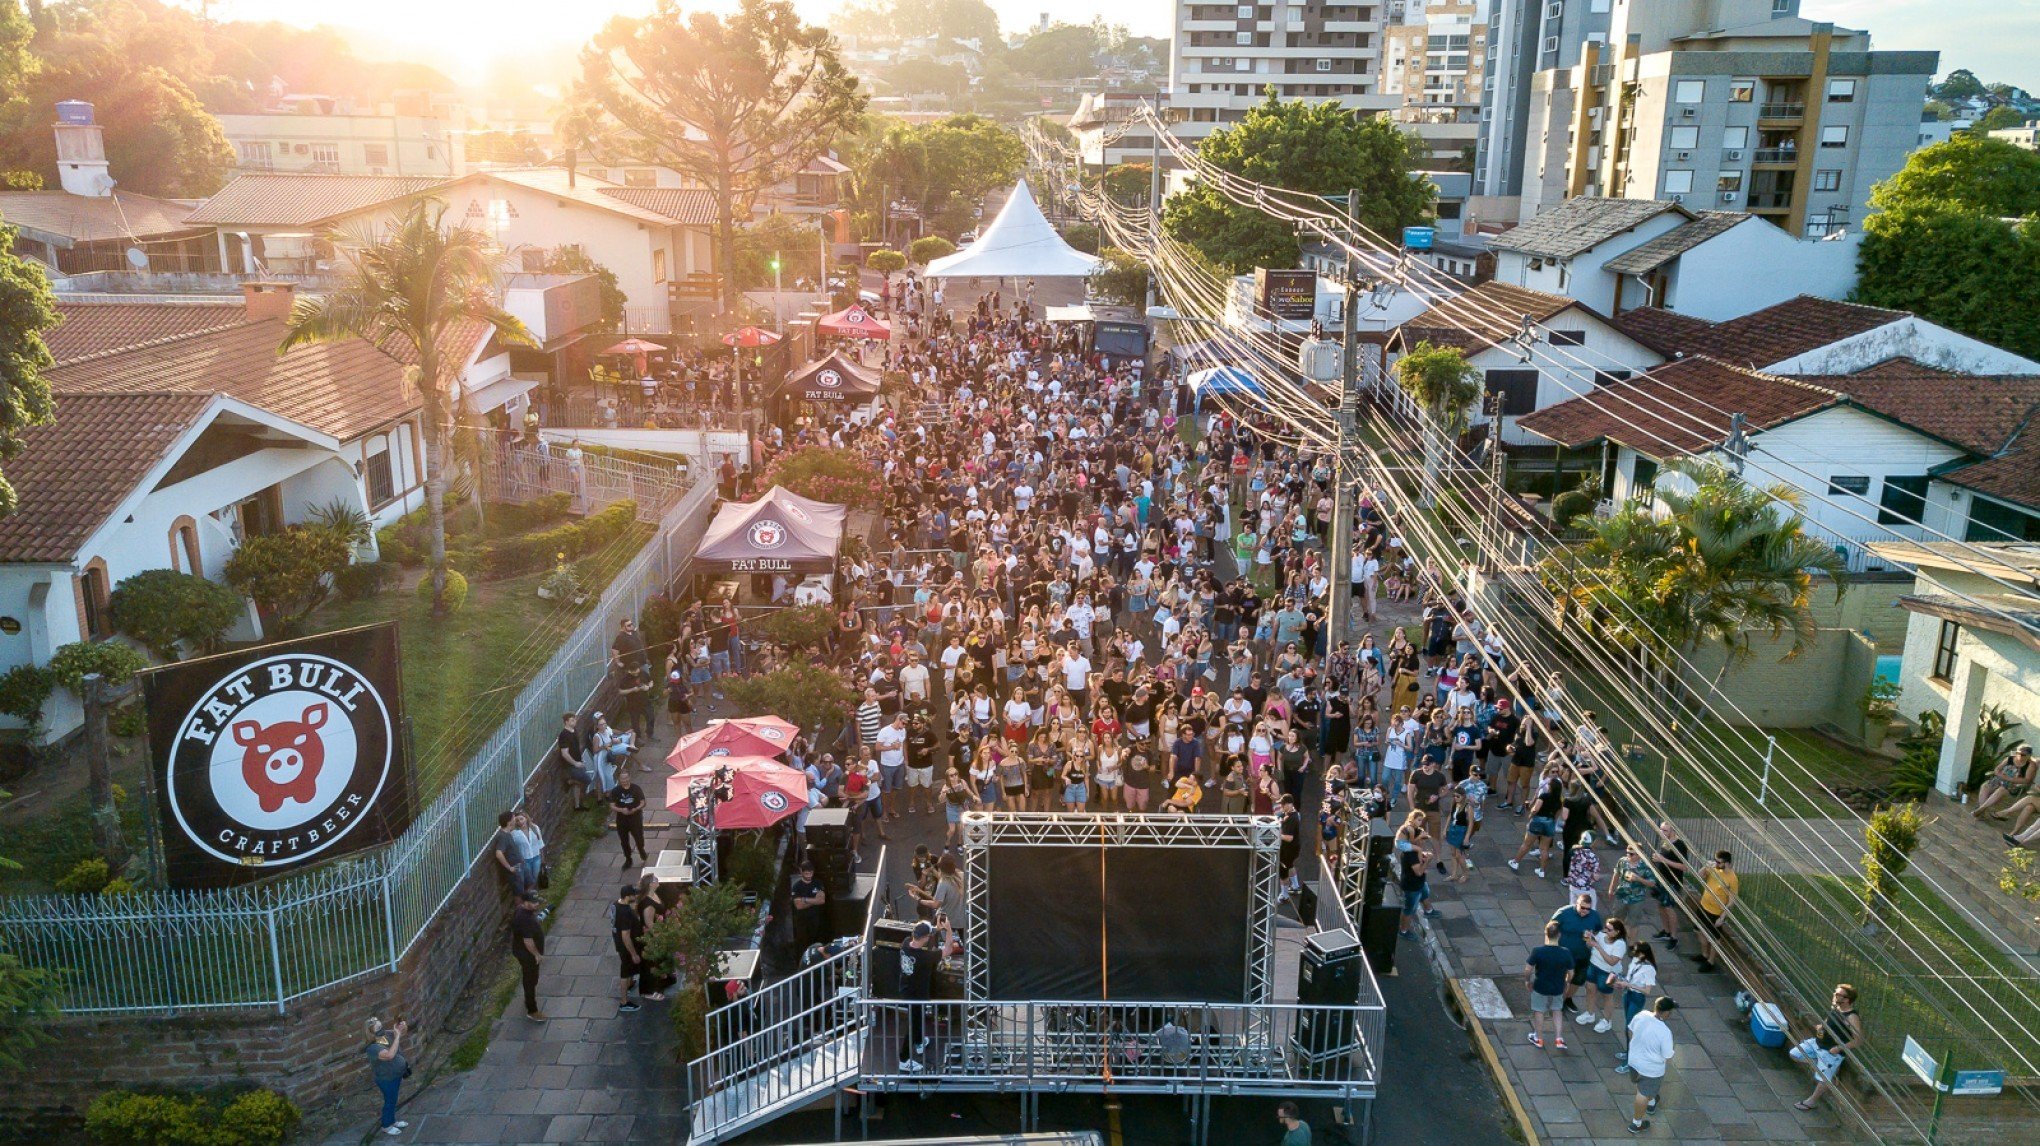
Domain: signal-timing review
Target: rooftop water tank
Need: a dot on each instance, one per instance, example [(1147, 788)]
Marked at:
[(75, 111)]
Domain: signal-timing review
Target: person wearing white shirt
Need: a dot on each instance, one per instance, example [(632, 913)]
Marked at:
[(914, 682), (950, 657), (1076, 670), (1023, 497), (1650, 1052)]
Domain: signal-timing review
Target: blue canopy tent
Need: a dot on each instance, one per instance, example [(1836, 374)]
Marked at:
[(1224, 380)]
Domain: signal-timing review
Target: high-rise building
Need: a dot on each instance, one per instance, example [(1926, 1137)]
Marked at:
[(1736, 104), (1224, 57), (1435, 56)]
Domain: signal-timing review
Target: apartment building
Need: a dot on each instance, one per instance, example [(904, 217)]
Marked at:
[(1224, 57), (335, 136), (1434, 59), (1731, 104)]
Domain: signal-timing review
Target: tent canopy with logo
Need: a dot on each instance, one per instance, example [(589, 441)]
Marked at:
[(1019, 244), (853, 322), (781, 532), (835, 378)]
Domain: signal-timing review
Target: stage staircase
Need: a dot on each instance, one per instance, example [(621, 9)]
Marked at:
[(778, 1050)]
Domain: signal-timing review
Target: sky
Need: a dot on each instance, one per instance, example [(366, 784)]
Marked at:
[(1996, 39)]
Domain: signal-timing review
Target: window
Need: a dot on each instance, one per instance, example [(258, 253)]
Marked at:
[(1689, 91), (1678, 182), (1834, 137), (1685, 138), (97, 617), (326, 154), (1827, 179), (1728, 181), (1246, 11), (1243, 64), (256, 153), (1841, 91), (382, 486), (1742, 91), (1781, 7), (1449, 209), (184, 556), (1904, 500), (1856, 484), (659, 265), (531, 260), (1568, 338), (375, 154), (1735, 138), (1243, 37), (1324, 65), (640, 177), (1554, 10), (1606, 378), (1645, 477), (1944, 651), (1518, 390)]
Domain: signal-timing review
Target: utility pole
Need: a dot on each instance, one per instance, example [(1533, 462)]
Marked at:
[(1494, 464), (1339, 616), (1154, 189), (106, 836), (778, 311)]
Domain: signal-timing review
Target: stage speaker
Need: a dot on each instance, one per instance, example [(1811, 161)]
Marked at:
[(1305, 900), (847, 912), (887, 937), (829, 828), (837, 872), (1378, 929), (1380, 863), (1329, 973)]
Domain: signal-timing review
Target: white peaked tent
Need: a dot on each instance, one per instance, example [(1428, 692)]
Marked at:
[(1018, 245)]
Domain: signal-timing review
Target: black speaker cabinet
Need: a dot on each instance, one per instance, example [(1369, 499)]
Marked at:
[(1305, 900), (1378, 936), (1380, 863), (847, 912), (829, 828), (887, 937), (1329, 973)]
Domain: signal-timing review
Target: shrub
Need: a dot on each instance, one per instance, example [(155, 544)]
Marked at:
[(802, 626), (1919, 759), (825, 473), (456, 590), (1571, 504), (1890, 837), (118, 886), (391, 541), (516, 556), (86, 877), (563, 583), (344, 520), (253, 1118), (163, 609), (803, 692), (886, 261), (23, 691), (928, 248), (286, 573), (688, 942), (129, 720), (660, 623), (364, 579), (115, 662)]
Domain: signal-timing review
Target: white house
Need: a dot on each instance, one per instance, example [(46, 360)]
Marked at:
[(1616, 255), (1575, 349), (1973, 639), (1876, 454), (1811, 335)]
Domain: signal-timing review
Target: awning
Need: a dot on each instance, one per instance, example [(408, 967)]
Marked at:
[(1019, 244), (833, 379), (781, 532), (853, 322), (1225, 380)]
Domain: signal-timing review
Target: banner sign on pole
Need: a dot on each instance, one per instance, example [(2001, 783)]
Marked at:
[(278, 757)]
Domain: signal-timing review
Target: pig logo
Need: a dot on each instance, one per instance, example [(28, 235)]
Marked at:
[(282, 760)]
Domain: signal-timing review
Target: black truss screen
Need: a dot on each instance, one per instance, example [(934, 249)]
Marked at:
[(1141, 924)]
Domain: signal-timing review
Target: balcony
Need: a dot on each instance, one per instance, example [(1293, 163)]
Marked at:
[(1769, 201), (1791, 112), (1775, 157)]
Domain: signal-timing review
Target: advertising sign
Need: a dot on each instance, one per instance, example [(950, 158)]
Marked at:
[(1419, 238), (278, 757), (1286, 294)]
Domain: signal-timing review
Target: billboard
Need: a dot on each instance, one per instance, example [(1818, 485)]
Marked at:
[(1286, 294), (278, 757)]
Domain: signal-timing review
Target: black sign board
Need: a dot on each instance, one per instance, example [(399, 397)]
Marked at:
[(279, 757), (1286, 294)]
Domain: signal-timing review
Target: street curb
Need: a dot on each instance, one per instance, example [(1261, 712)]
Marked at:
[(1434, 950)]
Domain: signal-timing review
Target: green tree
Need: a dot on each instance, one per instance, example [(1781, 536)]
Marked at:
[(1122, 277), (1721, 561), (1064, 52), (28, 995), (27, 309), (411, 289), (1317, 149), (919, 77), (688, 942), (795, 240), (1959, 84), (1446, 385), (928, 248), (1082, 236), (1129, 183), (738, 102), (1997, 119), (1965, 172), (806, 693), (1966, 270), (886, 261), (570, 259), (286, 573), (163, 609)]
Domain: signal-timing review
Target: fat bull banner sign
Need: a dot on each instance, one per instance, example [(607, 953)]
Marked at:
[(279, 757)]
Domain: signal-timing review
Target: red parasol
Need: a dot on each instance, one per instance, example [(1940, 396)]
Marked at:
[(853, 322), (636, 348), (750, 336), (776, 729), (725, 739), (762, 792)]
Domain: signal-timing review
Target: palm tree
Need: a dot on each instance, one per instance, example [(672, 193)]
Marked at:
[(408, 290), (1446, 385)]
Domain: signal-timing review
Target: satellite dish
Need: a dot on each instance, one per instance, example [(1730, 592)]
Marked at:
[(138, 258)]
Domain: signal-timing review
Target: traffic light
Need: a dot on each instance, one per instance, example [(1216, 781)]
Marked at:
[(775, 262)]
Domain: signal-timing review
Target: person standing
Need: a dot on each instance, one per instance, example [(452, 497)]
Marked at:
[(810, 901), (1546, 972), (388, 1066), (1650, 1052), (627, 931), (1291, 846), (1719, 888), (627, 801), (1295, 1131), (1575, 924), (917, 980), (527, 945)]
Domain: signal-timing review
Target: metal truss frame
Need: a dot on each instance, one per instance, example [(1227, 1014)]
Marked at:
[(1261, 835)]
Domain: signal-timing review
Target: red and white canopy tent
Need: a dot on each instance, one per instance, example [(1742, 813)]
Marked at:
[(853, 322), (781, 532)]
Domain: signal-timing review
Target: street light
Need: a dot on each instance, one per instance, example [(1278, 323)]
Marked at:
[(778, 320)]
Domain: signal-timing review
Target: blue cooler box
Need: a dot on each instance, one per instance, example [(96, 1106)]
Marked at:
[(1767, 1025)]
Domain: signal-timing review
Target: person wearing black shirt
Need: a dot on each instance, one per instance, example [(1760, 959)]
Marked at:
[(809, 906), (578, 775), (628, 802), (527, 945), (627, 930), (917, 981), (1500, 743), (1292, 845)]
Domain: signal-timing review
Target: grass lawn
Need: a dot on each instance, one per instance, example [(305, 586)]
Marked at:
[(1919, 991)]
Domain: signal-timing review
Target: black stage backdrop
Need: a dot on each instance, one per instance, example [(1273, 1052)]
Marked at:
[(1139, 924)]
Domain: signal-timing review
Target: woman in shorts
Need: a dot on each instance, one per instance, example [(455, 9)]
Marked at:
[(1541, 833), (1140, 781), (1076, 788), (1110, 777), (956, 799), (1638, 981), (1606, 950)]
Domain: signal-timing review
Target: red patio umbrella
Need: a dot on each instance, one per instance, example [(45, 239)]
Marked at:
[(762, 792), (750, 336), (636, 349), (723, 740), (853, 322), (773, 728)]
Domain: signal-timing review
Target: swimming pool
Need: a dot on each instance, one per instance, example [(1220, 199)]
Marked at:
[(1887, 667)]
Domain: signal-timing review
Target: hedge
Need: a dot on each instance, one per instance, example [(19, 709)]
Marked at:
[(254, 1118), (532, 552)]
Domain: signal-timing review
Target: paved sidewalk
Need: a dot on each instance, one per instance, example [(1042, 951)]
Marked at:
[(1722, 1086)]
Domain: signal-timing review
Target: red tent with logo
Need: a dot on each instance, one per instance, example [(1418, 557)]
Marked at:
[(781, 532), (835, 378), (762, 791), (748, 336), (853, 322)]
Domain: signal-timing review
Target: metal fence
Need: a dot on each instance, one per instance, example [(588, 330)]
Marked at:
[(268, 944), (520, 474)]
